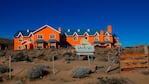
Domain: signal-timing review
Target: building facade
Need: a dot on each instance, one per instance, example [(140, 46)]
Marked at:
[(48, 37), (97, 38), (44, 37)]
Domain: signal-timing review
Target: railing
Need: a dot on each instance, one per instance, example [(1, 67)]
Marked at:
[(129, 62)]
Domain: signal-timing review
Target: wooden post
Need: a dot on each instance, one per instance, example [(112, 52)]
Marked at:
[(53, 66), (9, 67), (146, 52), (88, 61), (108, 56)]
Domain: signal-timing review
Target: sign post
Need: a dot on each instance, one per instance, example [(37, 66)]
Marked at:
[(85, 48)]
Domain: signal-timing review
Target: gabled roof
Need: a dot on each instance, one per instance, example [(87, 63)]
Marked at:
[(23, 33), (44, 27), (80, 33)]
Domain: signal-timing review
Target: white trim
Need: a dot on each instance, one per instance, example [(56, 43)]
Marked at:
[(86, 33), (44, 27), (108, 34), (66, 34), (31, 33), (75, 33), (106, 38), (96, 33), (19, 34)]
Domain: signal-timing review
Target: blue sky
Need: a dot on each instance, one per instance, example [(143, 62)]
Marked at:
[(129, 18)]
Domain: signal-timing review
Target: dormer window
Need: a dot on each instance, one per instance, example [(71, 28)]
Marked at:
[(31, 39), (20, 39), (40, 36), (86, 38), (75, 38), (96, 39), (106, 38)]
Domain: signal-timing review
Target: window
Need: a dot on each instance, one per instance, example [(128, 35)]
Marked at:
[(39, 36), (52, 45), (19, 47), (96, 39), (39, 45), (75, 38), (52, 36), (86, 38), (31, 39), (106, 38), (20, 39)]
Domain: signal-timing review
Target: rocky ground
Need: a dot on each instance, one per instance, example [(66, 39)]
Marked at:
[(22, 62)]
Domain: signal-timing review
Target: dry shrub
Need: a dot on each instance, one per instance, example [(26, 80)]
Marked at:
[(3, 68), (145, 72), (80, 72), (106, 80), (20, 57), (37, 71), (18, 82), (1, 77)]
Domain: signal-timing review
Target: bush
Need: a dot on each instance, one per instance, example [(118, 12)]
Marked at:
[(1, 77), (81, 72), (3, 68), (18, 82), (37, 71), (20, 57), (145, 72), (106, 80)]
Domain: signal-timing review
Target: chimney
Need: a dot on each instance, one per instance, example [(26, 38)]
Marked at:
[(78, 30), (59, 29), (101, 32), (109, 28), (88, 30), (27, 30), (68, 30)]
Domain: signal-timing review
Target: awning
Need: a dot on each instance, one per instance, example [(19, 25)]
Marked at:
[(52, 41), (40, 41), (96, 42)]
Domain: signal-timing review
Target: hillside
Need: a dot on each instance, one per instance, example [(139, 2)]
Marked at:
[(6, 43), (23, 61)]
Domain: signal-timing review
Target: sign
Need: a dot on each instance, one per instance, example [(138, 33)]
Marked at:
[(85, 48)]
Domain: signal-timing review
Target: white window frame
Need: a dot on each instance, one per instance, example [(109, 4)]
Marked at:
[(86, 37), (20, 39), (53, 35), (107, 38), (31, 39), (75, 39), (38, 36), (52, 45), (39, 45), (96, 39)]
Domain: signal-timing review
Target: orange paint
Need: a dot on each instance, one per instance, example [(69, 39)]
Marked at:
[(27, 43), (44, 37)]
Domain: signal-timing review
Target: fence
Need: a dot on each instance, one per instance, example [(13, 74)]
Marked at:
[(129, 62)]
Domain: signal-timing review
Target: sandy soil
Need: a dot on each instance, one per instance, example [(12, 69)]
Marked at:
[(63, 71)]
